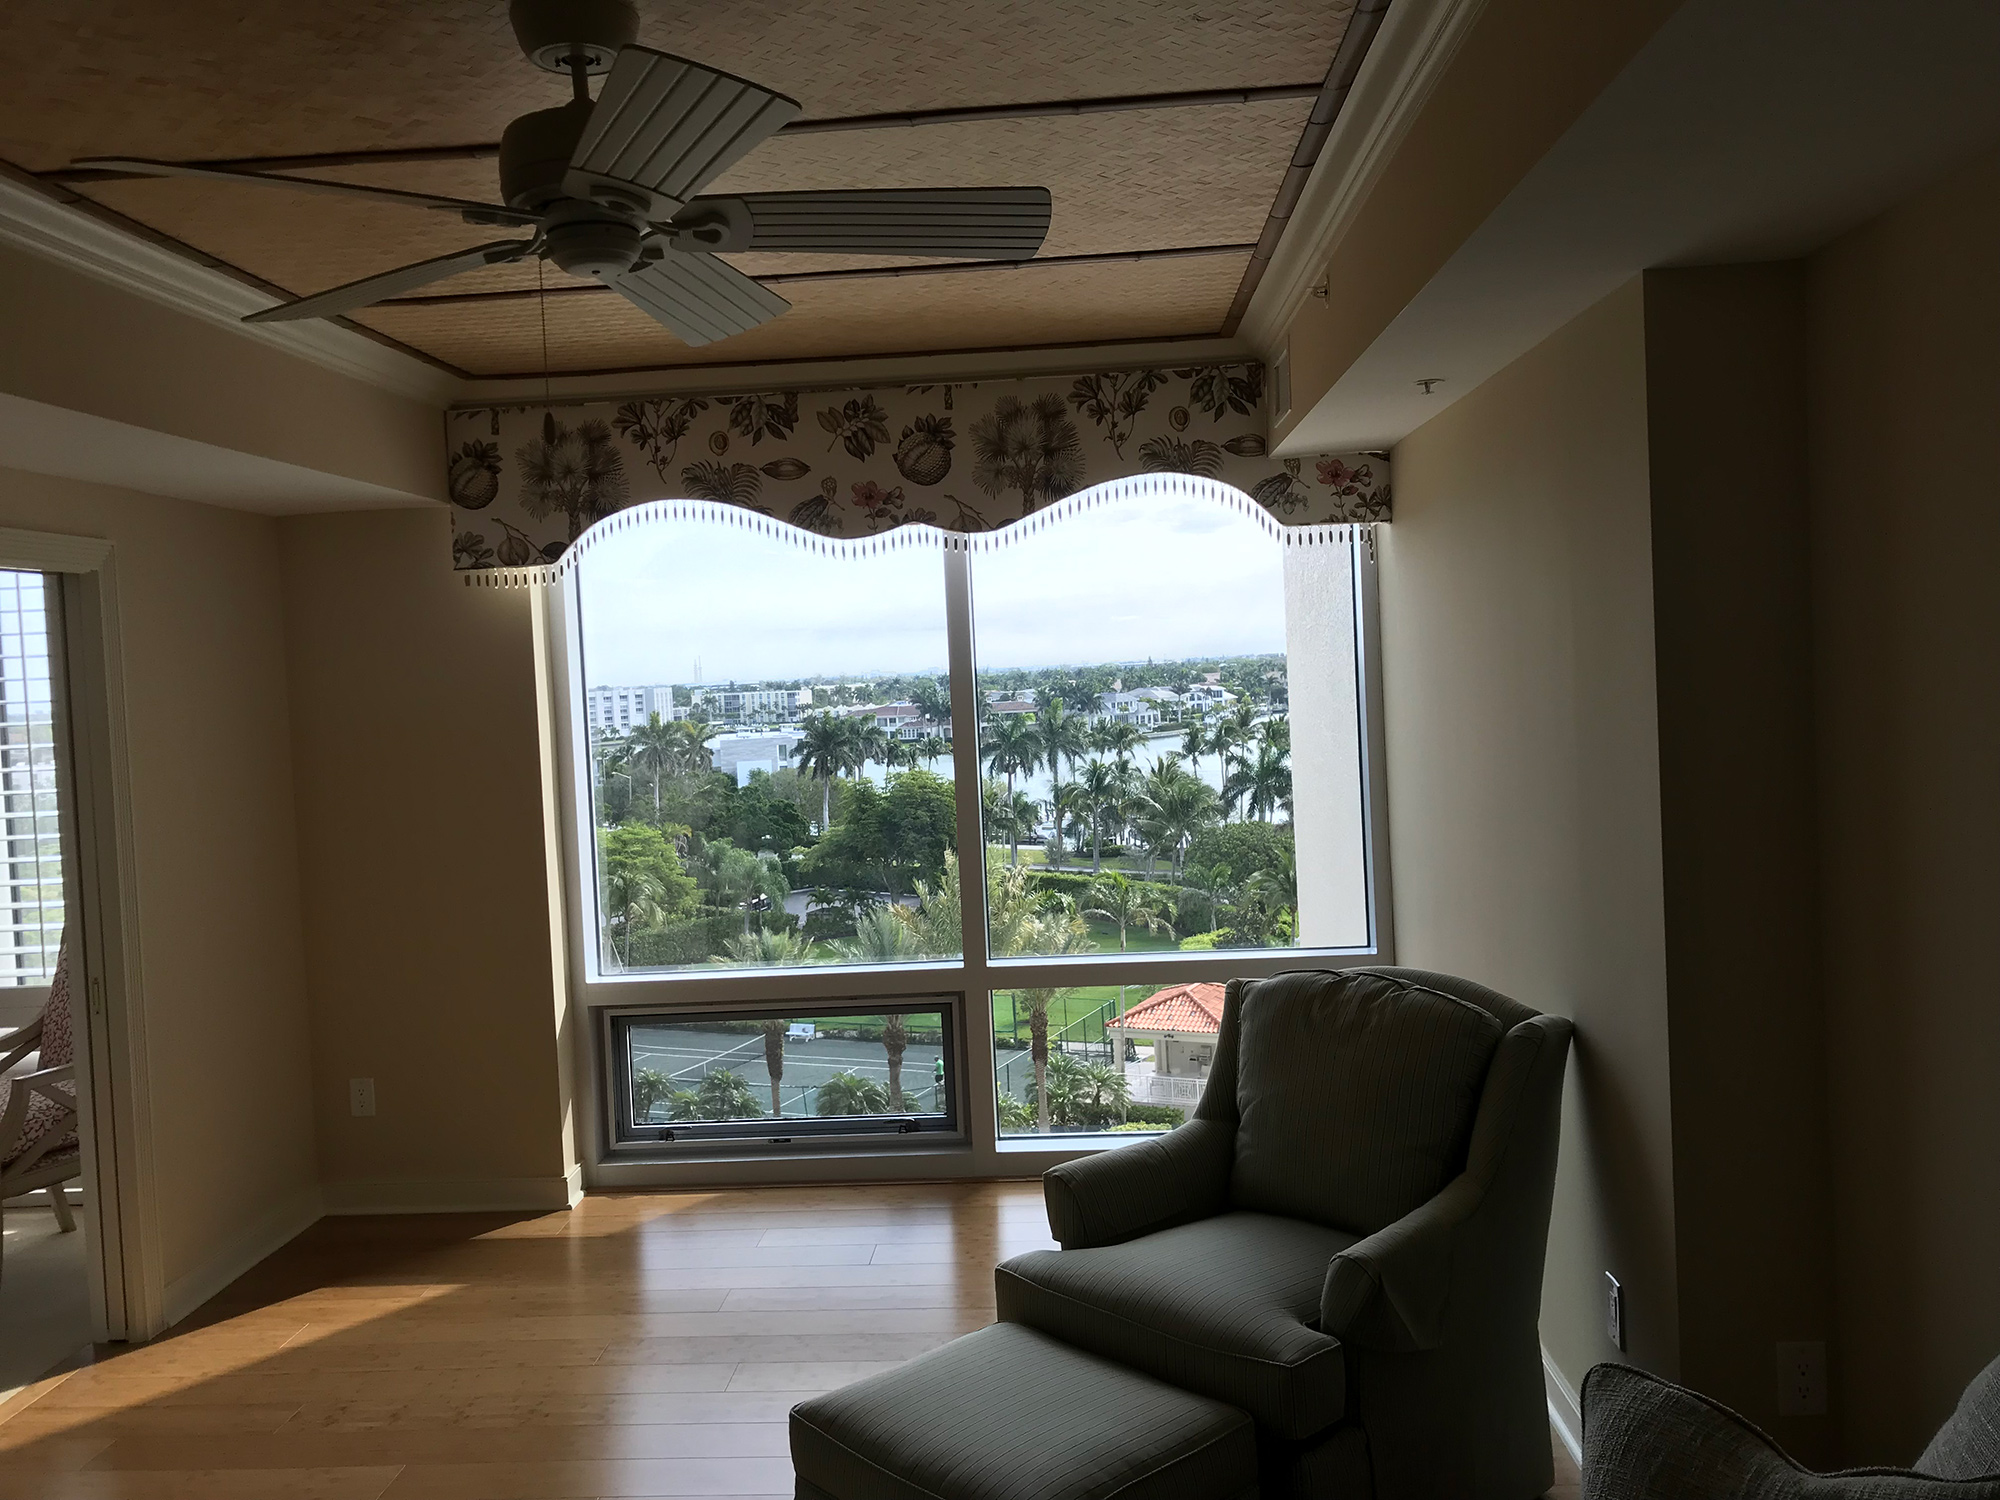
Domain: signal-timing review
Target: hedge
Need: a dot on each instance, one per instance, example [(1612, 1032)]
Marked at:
[(694, 942), (1189, 908)]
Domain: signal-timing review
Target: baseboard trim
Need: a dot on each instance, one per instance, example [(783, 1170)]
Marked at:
[(278, 1227), (1565, 1412), (452, 1195), (573, 1185)]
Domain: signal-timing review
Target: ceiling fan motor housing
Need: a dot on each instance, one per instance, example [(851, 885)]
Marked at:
[(585, 240), (552, 31)]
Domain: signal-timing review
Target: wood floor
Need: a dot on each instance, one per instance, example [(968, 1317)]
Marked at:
[(639, 1345)]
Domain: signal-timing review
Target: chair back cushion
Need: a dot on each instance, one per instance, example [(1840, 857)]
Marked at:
[(1968, 1445), (1355, 1096)]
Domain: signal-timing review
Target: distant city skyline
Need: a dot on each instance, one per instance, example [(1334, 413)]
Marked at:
[(1181, 578)]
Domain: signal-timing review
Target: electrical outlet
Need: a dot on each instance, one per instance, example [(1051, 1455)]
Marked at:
[(361, 1096), (1614, 1312), (1802, 1380)]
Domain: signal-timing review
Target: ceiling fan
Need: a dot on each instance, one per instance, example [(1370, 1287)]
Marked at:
[(611, 188)]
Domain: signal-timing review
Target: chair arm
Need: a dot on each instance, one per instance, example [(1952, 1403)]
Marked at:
[(1119, 1195), (25, 1086), (1389, 1291), (18, 1043)]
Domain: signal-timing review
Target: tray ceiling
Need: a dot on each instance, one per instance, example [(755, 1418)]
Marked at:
[(205, 80)]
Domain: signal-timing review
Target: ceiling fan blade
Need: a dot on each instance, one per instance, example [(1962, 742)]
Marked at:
[(340, 299), (473, 212), (663, 127), (698, 298), (1002, 223)]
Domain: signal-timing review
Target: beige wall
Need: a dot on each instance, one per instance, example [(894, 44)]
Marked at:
[(223, 983), (421, 834), (1523, 777), (1523, 72), (1905, 452), (1726, 416), (71, 341)]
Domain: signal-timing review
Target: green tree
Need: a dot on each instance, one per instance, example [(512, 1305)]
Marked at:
[(1067, 805), (650, 1088), (654, 747), (774, 1060), (1244, 848), (848, 1093), (1174, 807), (1104, 792), (1116, 899), (643, 883), (1012, 748), (825, 745), (764, 949), (933, 748), (1059, 735), (723, 1095), (1119, 739)]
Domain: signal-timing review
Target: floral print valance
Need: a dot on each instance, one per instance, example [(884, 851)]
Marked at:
[(971, 456)]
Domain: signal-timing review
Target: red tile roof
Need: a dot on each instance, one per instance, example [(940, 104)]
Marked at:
[(1193, 1008)]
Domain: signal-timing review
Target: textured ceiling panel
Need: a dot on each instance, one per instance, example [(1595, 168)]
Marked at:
[(207, 79), (974, 310), (1158, 179)]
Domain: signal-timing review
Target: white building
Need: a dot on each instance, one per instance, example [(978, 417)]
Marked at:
[(753, 705), (1145, 707), (623, 709), (740, 754), (1173, 1033)]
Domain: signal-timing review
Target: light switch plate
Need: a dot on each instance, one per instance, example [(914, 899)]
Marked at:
[(1614, 1312), (1802, 1379), (361, 1096)]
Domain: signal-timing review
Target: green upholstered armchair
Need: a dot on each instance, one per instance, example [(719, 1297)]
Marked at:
[(1346, 1240)]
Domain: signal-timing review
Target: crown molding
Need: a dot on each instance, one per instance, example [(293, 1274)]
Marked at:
[(33, 220), (830, 374), (1417, 40)]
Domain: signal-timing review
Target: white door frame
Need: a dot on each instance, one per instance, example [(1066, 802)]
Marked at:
[(87, 683)]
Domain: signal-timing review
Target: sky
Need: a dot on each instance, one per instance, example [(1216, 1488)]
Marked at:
[(1125, 581)]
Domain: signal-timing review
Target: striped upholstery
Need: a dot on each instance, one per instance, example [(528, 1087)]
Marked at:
[(1223, 1307), (1355, 1095), (1009, 1414), (1645, 1438)]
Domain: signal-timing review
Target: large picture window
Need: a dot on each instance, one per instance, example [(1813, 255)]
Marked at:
[(1077, 773)]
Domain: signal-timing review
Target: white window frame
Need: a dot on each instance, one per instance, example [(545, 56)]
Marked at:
[(586, 999)]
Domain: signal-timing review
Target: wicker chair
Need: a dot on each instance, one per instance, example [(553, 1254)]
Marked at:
[(39, 1147)]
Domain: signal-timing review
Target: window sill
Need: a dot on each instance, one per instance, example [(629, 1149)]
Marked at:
[(1071, 1145)]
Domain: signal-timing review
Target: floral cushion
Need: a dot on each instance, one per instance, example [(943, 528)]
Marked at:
[(58, 1047)]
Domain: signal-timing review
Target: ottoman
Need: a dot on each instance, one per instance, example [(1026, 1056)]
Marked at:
[(1011, 1414)]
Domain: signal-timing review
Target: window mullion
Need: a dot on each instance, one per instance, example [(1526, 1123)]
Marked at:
[(965, 748)]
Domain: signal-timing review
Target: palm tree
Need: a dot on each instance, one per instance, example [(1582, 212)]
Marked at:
[(901, 752), (1232, 733), (692, 748), (774, 1059), (724, 1095), (1116, 899), (1012, 746), (1067, 806), (1102, 789), (934, 698), (769, 950), (848, 1093), (1173, 808), (633, 897), (1214, 882), (933, 748), (1119, 739), (654, 746), (867, 741), (1267, 780), (822, 753), (1195, 743), (1060, 734), (1014, 816)]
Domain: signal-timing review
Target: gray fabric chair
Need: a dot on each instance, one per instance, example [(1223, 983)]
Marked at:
[(1645, 1438), (1346, 1241)]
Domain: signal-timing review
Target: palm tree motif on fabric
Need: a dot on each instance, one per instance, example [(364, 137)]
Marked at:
[(726, 484), (577, 471), (1031, 449), (1115, 899), (1173, 455)]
